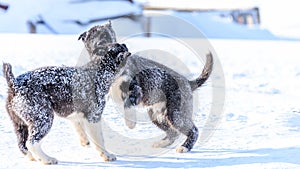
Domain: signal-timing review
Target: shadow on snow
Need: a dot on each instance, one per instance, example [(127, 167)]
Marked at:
[(207, 158)]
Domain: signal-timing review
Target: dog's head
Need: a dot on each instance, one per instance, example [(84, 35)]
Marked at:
[(116, 56), (97, 38)]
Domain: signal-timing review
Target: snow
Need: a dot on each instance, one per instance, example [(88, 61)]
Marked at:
[(259, 126)]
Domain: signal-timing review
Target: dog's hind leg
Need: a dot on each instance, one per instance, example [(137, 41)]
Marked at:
[(21, 129), (39, 126), (80, 130), (192, 136), (171, 135), (22, 135), (188, 128), (160, 122), (94, 133)]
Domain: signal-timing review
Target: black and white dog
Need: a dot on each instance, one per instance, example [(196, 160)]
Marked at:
[(167, 94), (76, 93), (168, 97)]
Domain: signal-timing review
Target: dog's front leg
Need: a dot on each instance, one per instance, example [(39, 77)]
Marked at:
[(80, 131), (94, 133), (130, 117)]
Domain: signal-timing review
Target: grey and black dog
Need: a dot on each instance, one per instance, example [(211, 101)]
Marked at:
[(76, 93), (167, 94)]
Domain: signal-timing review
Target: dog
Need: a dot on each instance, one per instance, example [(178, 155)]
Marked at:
[(168, 97), (167, 94), (75, 93)]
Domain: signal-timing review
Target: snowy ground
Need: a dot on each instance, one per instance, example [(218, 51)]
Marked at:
[(260, 126)]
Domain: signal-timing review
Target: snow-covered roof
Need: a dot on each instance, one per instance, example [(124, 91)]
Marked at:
[(197, 5), (62, 15)]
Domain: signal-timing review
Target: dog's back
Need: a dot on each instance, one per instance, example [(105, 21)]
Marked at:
[(135, 65)]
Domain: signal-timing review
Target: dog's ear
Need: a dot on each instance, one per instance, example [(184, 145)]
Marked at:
[(109, 23), (82, 36)]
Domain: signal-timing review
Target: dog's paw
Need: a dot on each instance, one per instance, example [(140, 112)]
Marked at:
[(84, 143), (109, 157), (162, 143), (30, 157), (130, 117), (182, 149), (130, 124), (48, 161)]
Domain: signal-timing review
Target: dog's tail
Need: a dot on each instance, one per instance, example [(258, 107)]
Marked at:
[(9, 76), (208, 67)]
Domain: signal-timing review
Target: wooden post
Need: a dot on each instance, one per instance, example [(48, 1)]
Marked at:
[(31, 26), (148, 27)]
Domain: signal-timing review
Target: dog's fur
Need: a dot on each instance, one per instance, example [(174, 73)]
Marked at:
[(169, 97), (167, 94), (76, 93)]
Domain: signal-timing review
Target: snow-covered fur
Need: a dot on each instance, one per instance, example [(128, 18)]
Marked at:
[(77, 93), (167, 94)]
